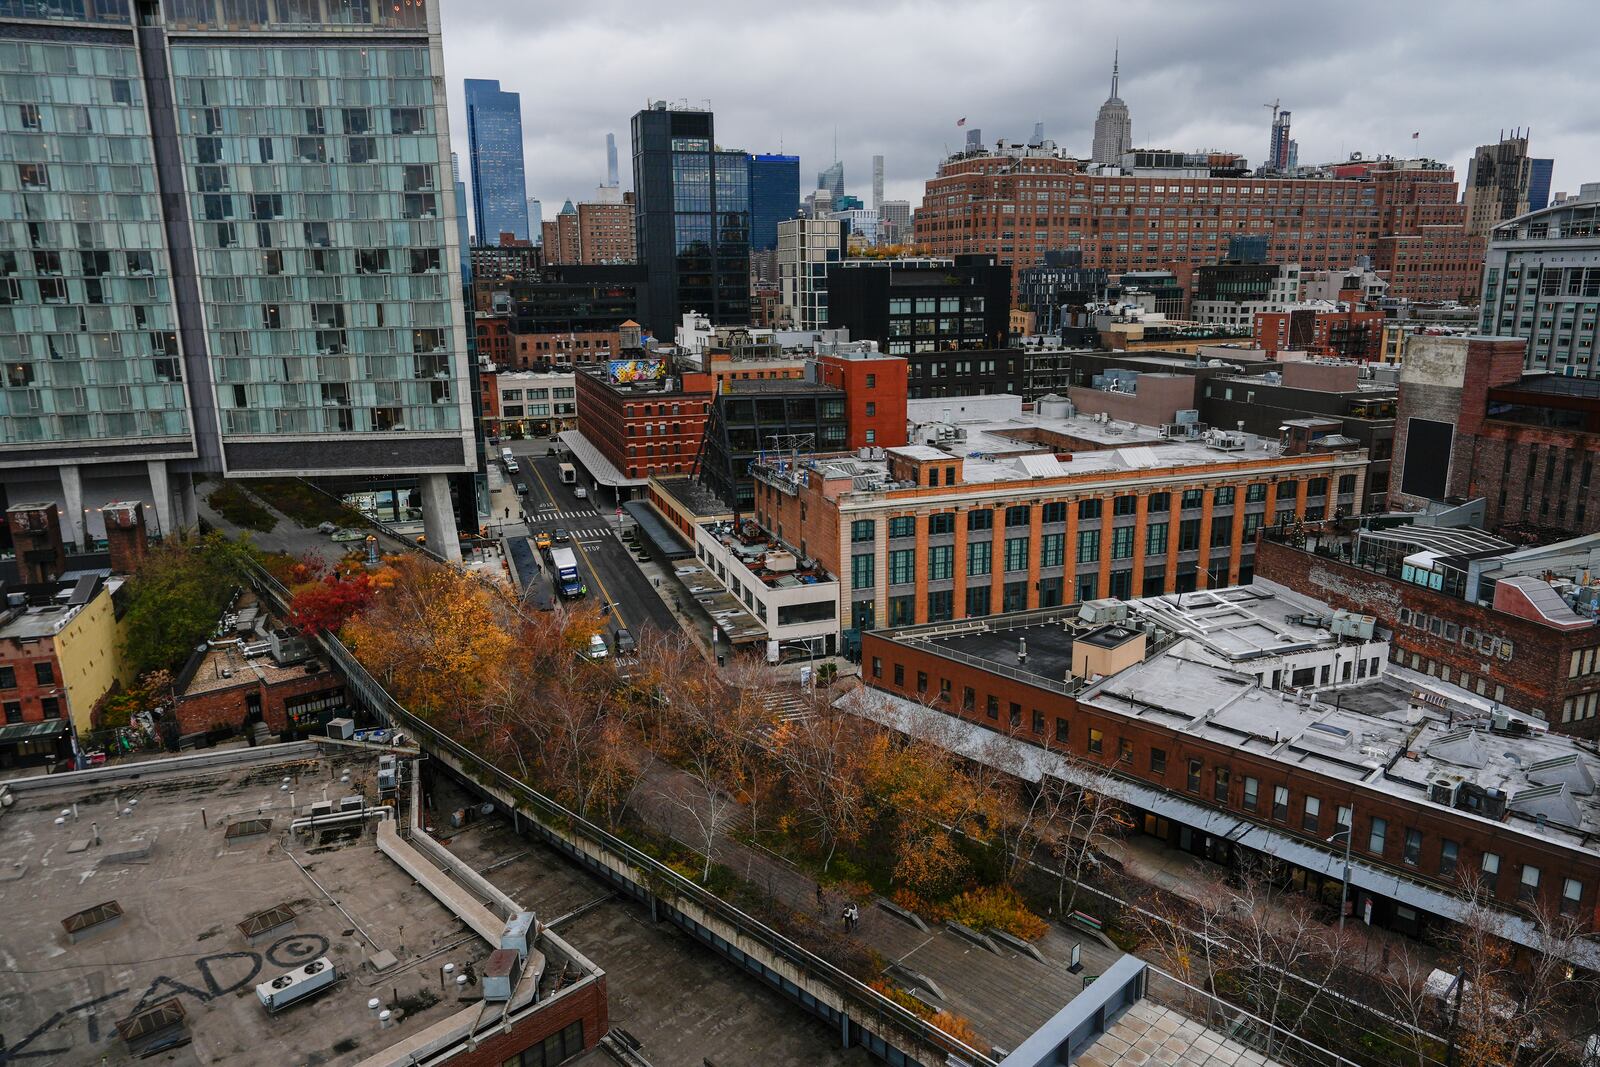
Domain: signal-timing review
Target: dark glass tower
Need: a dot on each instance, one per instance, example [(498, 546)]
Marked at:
[(774, 197), (692, 219), (494, 135)]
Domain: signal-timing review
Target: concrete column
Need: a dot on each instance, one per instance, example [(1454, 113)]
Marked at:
[(188, 503), (161, 495), (920, 609), (439, 518), (1202, 578), (72, 493)]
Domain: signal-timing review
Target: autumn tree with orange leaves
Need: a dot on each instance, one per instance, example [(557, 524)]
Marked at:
[(436, 638)]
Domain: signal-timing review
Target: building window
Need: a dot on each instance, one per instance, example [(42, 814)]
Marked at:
[(1088, 546), (903, 526), (1017, 516), (943, 522), (1193, 498), (1489, 872), (1054, 512), (1313, 812), (941, 562), (44, 673), (1528, 891), (902, 610), (900, 675), (1155, 539), (1158, 761), (862, 530), (1124, 750), (969, 698), (981, 519), (1376, 839), (1412, 853), (1096, 740), (1252, 789), (863, 571), (1223, 496), (1122, 542), (1188, 535), (1219, 784), (877, 667), (1255, 493), (1016, 553), (979, 560), (1089, 508), (1341, 818), (922, 681), (1280, 803), (977, 601), (902, 566), (1052, 549), (8, 677), (1062, 730), (1014, 715), (1571, 896), (1192, 780), (13, 711), (1159, 502), (1449, 856), (51, 707), (991, 708)]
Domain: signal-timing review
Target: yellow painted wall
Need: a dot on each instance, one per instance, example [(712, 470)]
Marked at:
[(89, 652)]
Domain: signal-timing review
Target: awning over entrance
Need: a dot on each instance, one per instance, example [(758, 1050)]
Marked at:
[(664, 540), (12, 733), (599, 467)]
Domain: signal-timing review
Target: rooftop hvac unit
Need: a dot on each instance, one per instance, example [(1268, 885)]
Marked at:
[(1443, 792), (296, 985), (520, 933), (353, 803), (500, 974), (1224, 441), (1351, 624)]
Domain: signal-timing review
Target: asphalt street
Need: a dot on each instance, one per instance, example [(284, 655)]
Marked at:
[(593, 526)]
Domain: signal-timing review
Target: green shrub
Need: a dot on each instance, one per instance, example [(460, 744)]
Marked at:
[(234, 504)]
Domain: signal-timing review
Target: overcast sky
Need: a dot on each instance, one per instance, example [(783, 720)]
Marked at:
[(893, 77)]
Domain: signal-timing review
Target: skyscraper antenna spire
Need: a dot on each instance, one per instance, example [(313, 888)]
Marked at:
[(1116, 60)]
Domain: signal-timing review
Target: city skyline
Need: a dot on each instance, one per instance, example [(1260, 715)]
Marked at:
[(1190, 82)]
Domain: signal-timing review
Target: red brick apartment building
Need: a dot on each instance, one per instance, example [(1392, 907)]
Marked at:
[(1254, 724), (1018, 203), (651, 426), (875, 396)]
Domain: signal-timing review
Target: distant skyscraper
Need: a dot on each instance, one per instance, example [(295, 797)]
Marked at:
[(1279, 148), (535, 220), (1498, 180), (611, 160), (832, 179), (1539, 175), (1038, 135), (877, 182), (1113, 126), (696, 259), (459, 187), (494, 135), (774, 197)]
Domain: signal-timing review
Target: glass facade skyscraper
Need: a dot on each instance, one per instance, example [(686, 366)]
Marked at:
[(227, 246), (494, 135), (692, 219), (774, 197)]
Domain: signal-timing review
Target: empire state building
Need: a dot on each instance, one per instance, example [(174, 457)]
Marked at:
[(1113, 128)]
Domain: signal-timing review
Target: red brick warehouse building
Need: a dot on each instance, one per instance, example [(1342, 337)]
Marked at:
[(1253, 725)]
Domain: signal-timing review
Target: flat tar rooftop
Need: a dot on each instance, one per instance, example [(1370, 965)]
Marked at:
[(1264, 669), (183, 886)]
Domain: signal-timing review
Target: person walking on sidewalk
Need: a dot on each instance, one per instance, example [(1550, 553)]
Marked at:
[(819, 894)]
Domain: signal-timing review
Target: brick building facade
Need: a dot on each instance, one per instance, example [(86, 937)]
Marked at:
[(225, 689), (1188, 785), (1471, 425), (648, 428), (875, 396), (1539, 669), (1019, 203), (1332, 332)]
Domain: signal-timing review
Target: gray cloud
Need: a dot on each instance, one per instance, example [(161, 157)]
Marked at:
[(893, 77)]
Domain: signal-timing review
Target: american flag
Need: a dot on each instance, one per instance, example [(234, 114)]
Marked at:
[(961, 121)]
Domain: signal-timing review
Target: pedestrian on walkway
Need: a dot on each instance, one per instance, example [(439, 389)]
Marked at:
[(846, 918), (508, 513), (819, 894)]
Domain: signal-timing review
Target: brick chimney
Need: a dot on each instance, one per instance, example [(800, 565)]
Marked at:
[(125, 535), (36, 535)]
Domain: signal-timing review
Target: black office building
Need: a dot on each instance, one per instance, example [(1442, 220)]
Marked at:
[(922, 305), (692, 219), (1059, 291), (577, 299), (771, 415)]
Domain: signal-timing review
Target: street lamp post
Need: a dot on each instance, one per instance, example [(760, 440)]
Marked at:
[(1344, 885)]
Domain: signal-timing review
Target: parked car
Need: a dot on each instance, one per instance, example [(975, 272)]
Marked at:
[(597, 647), (561, 536), (623, 642), (580, 492)]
